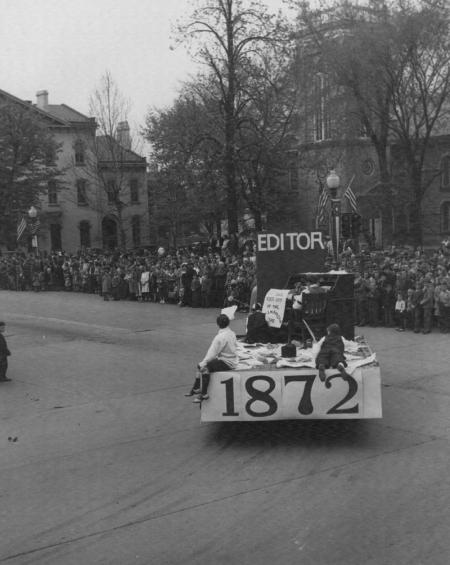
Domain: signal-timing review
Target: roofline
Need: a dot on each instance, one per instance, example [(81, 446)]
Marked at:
[(89, 119), (29, 106)]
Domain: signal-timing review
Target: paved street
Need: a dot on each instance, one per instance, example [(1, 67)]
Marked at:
[(112, 466)]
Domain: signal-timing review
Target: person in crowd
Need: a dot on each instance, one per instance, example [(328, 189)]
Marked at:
[(205, 286), (145, 284), (388, 304), (400, 313), (444, 307), (373, 295), (361, 289), (4, 354), (410, 309), (416, 299), (196, 291), (187, 273), (221, 356), (426, 304), (106, 284)]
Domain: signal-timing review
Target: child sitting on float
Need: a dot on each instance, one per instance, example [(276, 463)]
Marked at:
[(331, 352)]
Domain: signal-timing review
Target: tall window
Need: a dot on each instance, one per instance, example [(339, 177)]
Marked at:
[(293, 177), (136, 230), (134, 191), (79, 152), (445, 217), (111, 191), (81, 192), (445, 172), (322, 120), (52, 192), (85, 233)]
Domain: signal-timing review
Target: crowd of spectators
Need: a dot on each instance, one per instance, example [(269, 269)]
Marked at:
[(402, 287), (218, 274)]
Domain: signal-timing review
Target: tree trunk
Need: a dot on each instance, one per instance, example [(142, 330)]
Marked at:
[(416, 207), (122, 235)]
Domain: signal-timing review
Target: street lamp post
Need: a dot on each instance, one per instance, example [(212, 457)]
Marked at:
[(32, 213), (333, 182)]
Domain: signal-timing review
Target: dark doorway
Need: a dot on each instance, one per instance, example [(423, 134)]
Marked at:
[(55, 237), (109, 233)]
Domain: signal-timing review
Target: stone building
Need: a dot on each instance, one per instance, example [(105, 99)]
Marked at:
[(79, 211)]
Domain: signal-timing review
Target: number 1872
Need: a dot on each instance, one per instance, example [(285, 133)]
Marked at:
[(305, 405)]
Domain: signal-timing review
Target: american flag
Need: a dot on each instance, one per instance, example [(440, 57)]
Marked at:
[(21, 226), (321, 207), (350, 195)]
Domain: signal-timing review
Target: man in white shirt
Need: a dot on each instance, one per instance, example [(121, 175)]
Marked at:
[(221, 356)]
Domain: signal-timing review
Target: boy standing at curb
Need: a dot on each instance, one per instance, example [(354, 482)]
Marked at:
[(4, 352)]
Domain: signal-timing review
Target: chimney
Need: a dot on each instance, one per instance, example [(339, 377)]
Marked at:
[(42, 99), (123, 135)]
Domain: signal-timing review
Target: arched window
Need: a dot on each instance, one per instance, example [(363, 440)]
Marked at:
[(445, 172), (85, 233), (445, 217)]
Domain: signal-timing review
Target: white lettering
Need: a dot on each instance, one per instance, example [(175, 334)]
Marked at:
[(291, 240), (316, 237), (262, 242), (276, 242), (307, 244)]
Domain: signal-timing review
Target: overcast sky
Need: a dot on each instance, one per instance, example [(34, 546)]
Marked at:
[(65, 46)]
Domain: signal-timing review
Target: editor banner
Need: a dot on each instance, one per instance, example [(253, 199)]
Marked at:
[(279, 255)]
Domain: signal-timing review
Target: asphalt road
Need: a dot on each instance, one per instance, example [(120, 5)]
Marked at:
[(103, 461)]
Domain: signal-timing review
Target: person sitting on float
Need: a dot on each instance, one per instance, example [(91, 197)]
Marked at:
[(258, 330), (221, 356)]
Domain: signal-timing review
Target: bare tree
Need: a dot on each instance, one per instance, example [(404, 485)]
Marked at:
[(228, 36), (110, 156)]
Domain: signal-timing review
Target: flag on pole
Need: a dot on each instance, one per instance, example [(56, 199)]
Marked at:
[(35, 225), (321, 207), (21, 226), (350, 195)]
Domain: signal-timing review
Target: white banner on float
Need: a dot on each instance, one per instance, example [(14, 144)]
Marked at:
[(289, 394), (274, 306)]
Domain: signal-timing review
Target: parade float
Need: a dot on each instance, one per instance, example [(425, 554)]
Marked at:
[(279, 380)]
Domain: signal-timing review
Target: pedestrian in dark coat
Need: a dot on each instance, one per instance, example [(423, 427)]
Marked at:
[(4, 354), (106, 284)]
